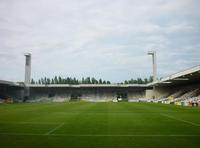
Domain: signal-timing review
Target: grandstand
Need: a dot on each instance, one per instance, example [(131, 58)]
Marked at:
[(95, 93), (180, 88)]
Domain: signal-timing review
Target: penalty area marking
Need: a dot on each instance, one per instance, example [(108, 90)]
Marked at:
[(185, 121), (98, 135), (54, 129)]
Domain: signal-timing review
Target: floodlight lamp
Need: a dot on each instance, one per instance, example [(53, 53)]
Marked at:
[(150, 52), (27, 54)]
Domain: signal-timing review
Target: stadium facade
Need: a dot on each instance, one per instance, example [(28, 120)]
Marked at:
[(179, 86)]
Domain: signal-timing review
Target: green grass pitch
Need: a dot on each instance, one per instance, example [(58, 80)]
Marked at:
[(81, 124)]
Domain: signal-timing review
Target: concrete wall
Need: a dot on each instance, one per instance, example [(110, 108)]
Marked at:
[(162, 91), (16, 93), (149, 94)]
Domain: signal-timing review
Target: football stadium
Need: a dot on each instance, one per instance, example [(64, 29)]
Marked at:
[(99, 74), (162, 113)]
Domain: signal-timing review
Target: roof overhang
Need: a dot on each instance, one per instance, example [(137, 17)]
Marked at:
[(9, 83), (191, 75)]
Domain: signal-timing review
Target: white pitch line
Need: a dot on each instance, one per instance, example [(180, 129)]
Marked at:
[(52, 130), (98, 135), (40, 123), (129, 135), (185, 121)]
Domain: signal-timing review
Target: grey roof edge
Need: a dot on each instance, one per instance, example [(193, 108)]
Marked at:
[(176, 75), (88, 85), (10, 83)]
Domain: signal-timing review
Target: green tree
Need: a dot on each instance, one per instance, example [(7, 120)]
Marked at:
[(88, 81), (100, 81), (59, 80), (32, 81), (55, 80), (52, 81), (150, 79), (48, 81), (68, 80), (139, 81), (93, 81), (145, 80), (108, 82)]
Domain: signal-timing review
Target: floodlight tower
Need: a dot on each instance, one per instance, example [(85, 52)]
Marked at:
[(27, 79), (27, 68), (153, 54)]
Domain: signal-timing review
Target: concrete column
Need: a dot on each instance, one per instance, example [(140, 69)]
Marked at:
[(153, 53), (154, 62), (27, 79), (27, 68)]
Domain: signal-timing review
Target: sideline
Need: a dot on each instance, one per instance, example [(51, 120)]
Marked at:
[(185, 121)]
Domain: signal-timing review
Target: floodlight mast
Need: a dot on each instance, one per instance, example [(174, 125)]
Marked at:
[(27, 68), (153, 54)]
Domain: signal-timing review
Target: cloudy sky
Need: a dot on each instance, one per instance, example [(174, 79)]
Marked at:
[(106, 39)]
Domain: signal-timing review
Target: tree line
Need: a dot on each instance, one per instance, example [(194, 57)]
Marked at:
[(87, 80), (139, 81), (69, 80)]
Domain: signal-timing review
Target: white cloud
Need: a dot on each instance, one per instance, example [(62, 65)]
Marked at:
[(97, 37)]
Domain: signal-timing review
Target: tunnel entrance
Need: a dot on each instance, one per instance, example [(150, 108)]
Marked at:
[(50, 95), (75, 97), (122, 96)]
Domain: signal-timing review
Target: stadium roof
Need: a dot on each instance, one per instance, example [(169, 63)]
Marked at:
[(9, 83), (191, 75)]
